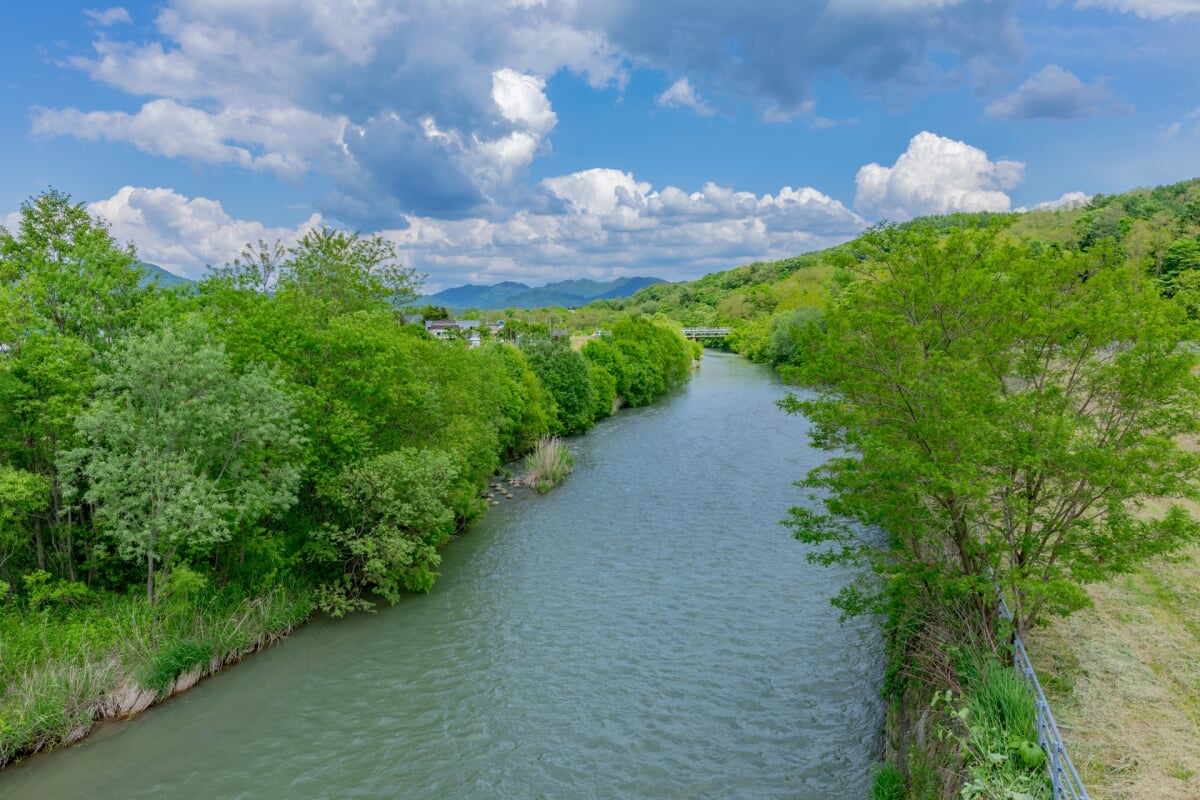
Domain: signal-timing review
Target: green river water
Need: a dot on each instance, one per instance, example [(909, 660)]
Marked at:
[(646, 630)]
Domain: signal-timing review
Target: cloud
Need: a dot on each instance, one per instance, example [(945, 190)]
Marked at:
[(522, 100), (768, 59), (681, 94), (1068, 201), (185, 235), (108, 16), (284, 140), (936, 175), (1146, 9), (430, 108), (595, 223), (1052, 93)]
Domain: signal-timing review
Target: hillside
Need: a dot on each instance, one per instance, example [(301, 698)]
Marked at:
[(156, 274), (510, 294)]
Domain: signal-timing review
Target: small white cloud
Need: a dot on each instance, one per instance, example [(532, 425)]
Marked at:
[(1069, 201), (522, 100), (1052, 93), (184, 235), (1169, 132), (936, 175), (681, 94), (109, 16), (1146, 9)]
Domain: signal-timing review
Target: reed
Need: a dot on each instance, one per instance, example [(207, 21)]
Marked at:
[(548, 464)]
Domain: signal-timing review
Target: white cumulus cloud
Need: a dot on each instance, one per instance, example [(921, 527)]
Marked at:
[(1068, 201), (185, 235), (522, 100), (335, 93), (936, 175), (284, 141), (603, 223)]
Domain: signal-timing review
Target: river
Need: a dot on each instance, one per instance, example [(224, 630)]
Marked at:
[(646, 630)]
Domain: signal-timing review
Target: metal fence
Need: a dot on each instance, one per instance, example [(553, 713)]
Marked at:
[(1063, 777)]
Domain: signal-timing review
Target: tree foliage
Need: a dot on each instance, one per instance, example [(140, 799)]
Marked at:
[(179, 451), (393, 514), (1003, 412)]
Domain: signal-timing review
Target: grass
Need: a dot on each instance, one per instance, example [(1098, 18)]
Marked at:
[(548, 464), (888, 784), (1124, 681), (1003, 758), (62, 669)]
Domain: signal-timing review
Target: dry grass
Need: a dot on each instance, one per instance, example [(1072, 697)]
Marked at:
[(1124, 681)]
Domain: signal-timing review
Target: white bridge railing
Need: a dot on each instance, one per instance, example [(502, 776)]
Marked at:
[(1064, 780), (706, 333)]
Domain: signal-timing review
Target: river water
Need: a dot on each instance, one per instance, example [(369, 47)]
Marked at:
[(646, 630)]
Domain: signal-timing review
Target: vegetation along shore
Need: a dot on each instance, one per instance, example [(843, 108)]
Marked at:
[(187, 473)]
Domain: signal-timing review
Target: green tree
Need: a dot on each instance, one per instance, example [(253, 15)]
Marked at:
[(1182, 257), (1003, 415), (564, 373), (22, 494), (67, 292), (394, 515), (348, 272), (179, 450)]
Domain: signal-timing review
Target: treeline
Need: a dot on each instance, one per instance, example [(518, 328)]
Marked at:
[(274, 437)]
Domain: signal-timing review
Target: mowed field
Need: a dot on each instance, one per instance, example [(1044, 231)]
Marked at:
[(1123, 680)]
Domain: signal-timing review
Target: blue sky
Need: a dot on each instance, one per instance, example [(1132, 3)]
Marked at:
[(540, 140)]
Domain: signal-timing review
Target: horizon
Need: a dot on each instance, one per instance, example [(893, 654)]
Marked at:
[(541, 142)]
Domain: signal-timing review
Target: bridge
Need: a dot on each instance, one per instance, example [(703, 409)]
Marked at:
[(707, 333)]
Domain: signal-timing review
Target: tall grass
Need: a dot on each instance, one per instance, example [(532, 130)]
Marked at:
[(888, 784), (60, 669), (1003, 757), (548, 464)]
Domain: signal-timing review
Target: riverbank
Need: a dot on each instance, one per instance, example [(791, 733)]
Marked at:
[(64, 670)]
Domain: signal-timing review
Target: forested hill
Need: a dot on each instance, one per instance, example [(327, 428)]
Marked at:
[(565, 294), (156, 274), (765, 302)]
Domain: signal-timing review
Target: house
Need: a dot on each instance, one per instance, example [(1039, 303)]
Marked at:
[(469, 329)]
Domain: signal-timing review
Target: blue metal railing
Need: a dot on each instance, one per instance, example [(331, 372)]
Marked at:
[(1063, 778)]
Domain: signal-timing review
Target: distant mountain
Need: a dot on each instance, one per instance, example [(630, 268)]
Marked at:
[(156, 274), (509, 294)]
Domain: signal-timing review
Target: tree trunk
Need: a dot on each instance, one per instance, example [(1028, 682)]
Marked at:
[(150, 576), (41, 545)]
